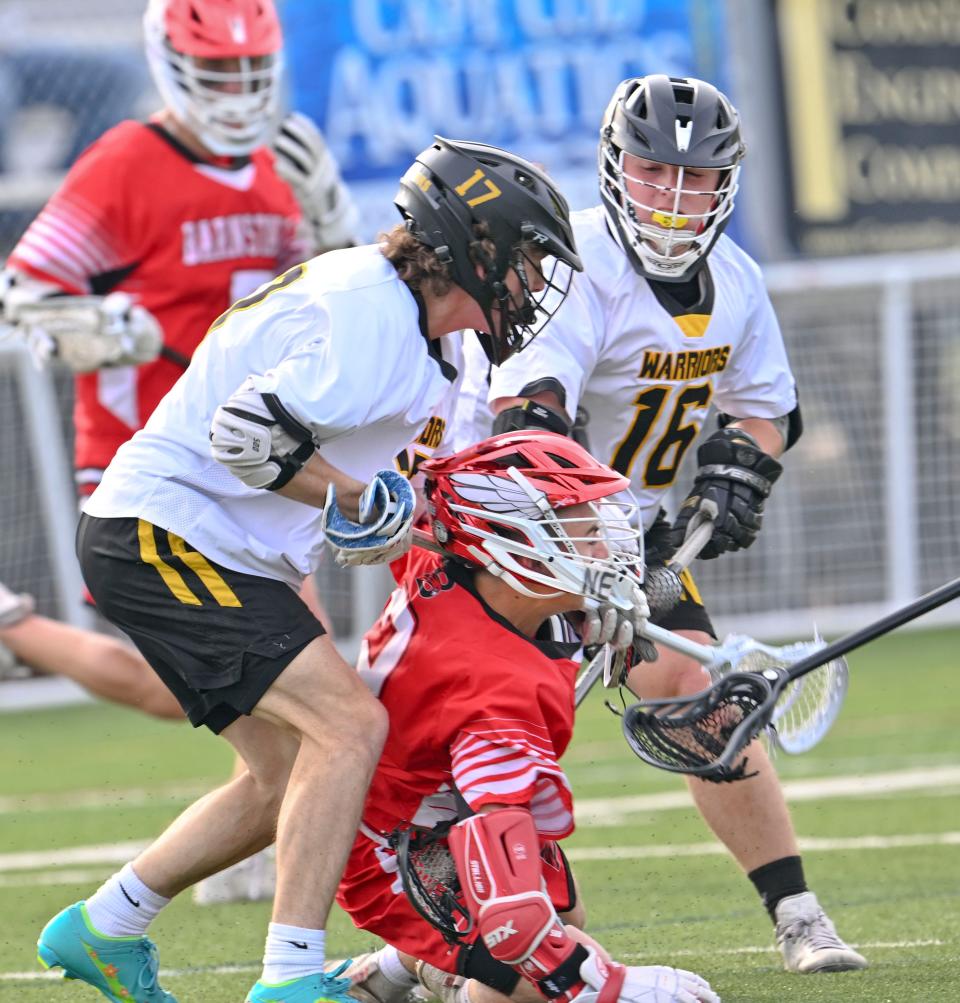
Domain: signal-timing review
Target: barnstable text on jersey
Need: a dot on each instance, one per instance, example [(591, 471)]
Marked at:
[(684, 365)]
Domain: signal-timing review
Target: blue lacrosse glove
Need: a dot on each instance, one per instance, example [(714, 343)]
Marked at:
[(384, 531)]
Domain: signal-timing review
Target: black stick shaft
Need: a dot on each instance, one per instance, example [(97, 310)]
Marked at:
[(843, 645)]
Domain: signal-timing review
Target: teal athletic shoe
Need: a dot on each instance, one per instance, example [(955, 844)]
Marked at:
[(124, 969), (319, 988)]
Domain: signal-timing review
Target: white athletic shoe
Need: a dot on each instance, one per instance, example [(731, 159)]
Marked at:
[(252, 880), (368, 984), (808, 940)]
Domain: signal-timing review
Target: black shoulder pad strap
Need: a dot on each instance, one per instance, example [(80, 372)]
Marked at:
[(286, 420)]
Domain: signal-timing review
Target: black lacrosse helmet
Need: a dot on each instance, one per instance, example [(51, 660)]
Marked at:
[(680, 121), (454, 185)]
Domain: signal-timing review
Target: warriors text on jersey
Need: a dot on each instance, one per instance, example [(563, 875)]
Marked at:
[(138, 213), (339, 341), (645, 367), (491, 716)]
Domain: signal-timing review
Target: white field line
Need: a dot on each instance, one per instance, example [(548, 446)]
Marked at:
[(878, 945), (136, 797), (597, 812), (810, 845), (119, 853), (590, 811)]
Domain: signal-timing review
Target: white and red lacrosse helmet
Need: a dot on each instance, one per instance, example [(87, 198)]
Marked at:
[(217, 65), (501, 503)]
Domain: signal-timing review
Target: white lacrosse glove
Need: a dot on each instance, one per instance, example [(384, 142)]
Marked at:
[(385, 529), (643, 984), (304, 161), (607, 623), (14, 607), (86, 333)]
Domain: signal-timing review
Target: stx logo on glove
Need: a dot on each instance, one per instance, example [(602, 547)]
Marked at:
[(499, 934)]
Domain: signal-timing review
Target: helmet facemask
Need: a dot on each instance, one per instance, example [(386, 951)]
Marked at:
[(670, 243), (681, 126), (544, 284), (590, 550), (227, 94)]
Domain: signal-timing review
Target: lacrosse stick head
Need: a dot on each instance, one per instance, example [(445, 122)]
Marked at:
[(704, 735), (430, 882), (808, 706)]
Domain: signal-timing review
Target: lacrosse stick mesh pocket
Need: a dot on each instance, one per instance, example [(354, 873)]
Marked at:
[(430, 882), (702, 735)]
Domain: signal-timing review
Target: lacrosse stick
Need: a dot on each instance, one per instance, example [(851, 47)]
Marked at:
[(805, 711), (705, 735)]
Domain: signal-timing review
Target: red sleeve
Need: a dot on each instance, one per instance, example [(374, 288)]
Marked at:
[(514, 716), (86, 229)]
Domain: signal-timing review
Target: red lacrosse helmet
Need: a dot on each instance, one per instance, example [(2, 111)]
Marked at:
[(217, 65), (500, 504)]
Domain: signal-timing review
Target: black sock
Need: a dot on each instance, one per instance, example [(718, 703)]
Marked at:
[(777, 880)]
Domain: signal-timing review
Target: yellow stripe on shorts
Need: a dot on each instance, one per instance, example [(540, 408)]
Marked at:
[(201, 567), (171, 577), (690, 586)]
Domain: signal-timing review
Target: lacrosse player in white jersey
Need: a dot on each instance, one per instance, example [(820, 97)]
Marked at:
[(280, 434), (669, 317)]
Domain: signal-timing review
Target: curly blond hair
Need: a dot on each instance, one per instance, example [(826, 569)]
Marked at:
[(420, 267)]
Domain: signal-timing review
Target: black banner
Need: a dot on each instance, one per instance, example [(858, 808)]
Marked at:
[(871, 118)]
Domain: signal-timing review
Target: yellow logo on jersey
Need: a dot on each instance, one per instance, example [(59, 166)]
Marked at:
[(432, 433), (684, 365)]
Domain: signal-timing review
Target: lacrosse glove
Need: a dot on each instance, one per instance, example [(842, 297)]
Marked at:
[(384, 531), (304, 161), (641, 984), (736, 475), (606, 623)]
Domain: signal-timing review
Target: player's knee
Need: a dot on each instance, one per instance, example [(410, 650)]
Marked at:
[(372, 724), (357, 726)]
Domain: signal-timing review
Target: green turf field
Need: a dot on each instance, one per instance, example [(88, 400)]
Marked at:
[(877, 803)]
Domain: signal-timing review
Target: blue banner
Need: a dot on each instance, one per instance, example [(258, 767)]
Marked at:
[(381, 77)]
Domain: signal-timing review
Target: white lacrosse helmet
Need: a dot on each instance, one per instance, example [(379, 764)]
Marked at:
[(685, 123), (503, 504), (217, 65)]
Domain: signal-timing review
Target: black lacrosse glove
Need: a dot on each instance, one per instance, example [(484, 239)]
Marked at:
[(736, 475)]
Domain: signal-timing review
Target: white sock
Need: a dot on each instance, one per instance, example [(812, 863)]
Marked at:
[(393, 969), (124, 906), (291, 952)]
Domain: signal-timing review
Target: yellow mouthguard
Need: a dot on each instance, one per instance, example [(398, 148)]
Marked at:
[(669, 221)]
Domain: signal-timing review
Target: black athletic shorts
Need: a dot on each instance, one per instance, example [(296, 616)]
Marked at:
[(217, 638), (689, 613)]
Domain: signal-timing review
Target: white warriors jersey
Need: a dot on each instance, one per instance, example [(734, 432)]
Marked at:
[(644, 367), (338, 341)]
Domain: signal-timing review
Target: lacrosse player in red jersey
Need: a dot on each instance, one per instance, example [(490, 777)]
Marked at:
[(670, 317), (472, 660), (155, 231)]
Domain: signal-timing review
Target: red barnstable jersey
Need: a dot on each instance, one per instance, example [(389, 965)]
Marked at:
[(138, 213), (472, 703)]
